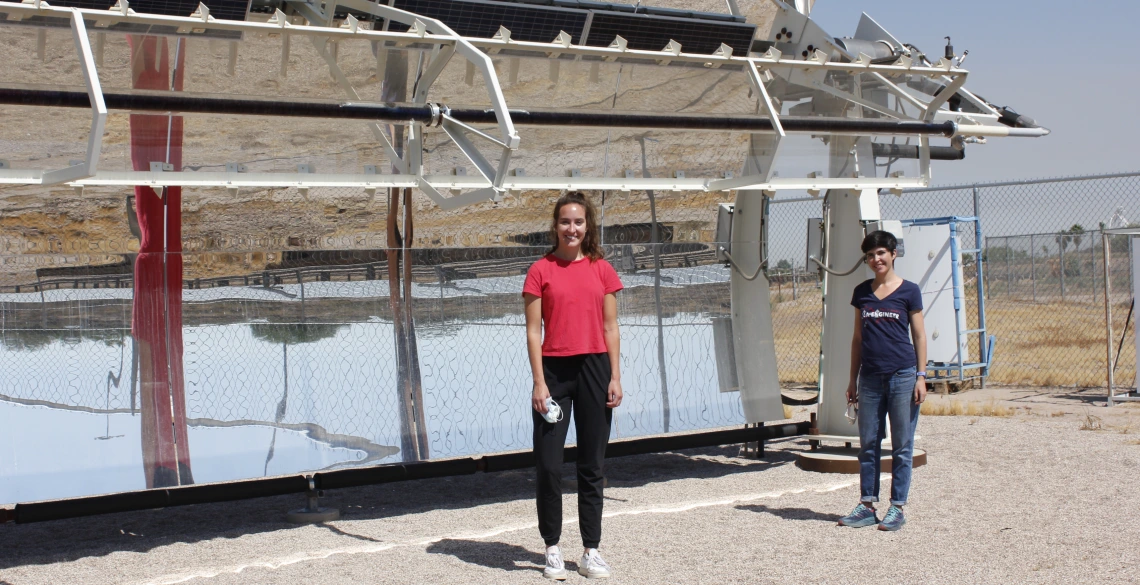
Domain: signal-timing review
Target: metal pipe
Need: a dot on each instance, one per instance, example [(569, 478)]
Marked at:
[(881, 150), (955, 267), (979, 266), (1107, 314), (430, 113)]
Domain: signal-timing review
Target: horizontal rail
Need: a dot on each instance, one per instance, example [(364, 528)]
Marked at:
[(429, 114), (963, 186)]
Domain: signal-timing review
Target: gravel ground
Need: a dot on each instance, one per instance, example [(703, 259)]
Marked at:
[(1027, 499)]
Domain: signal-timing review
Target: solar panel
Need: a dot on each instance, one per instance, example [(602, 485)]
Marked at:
[(542, 20), (224, 9), (474, 18), (652, 33)]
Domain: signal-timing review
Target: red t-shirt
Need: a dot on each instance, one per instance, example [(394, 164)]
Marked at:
[(573, 295)]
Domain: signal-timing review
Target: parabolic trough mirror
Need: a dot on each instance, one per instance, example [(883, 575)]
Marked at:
[(249, 239), (290, 368)]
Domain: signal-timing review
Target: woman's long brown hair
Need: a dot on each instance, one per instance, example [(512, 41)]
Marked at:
[(591, 246)]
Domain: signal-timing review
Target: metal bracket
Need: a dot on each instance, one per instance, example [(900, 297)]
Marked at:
[(98, 110), (458, 131), (457, 201), (839, 93), (931, 110), (321, 44), (460, 45), (434, 68), (727, 183)]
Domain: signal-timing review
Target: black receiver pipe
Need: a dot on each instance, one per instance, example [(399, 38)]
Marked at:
[(429, 114), (911, 151)]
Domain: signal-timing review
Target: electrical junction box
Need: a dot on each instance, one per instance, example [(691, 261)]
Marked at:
[(928, 265), (723, 231), (814, 244)]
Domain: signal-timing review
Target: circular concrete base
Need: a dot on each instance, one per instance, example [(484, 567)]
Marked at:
[(307, 516), (840, 460)]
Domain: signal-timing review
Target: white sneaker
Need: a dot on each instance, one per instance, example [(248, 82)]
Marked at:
[(555, 569), (592, 566)]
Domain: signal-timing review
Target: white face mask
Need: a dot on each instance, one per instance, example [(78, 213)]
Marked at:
[(553, 411)]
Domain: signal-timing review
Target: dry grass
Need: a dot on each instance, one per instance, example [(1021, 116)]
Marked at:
[(958, 408), (1038, 344), (1091, 422)]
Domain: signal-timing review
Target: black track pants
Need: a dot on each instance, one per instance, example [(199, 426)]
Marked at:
[(579, 384)]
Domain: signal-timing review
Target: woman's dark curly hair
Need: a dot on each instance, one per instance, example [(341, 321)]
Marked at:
[(591, 244)]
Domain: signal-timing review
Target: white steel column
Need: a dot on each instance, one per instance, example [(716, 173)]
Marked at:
[(843, 232), (753, 339)]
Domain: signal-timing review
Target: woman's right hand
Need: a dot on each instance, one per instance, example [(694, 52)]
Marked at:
[(852, 392), (538, 397)]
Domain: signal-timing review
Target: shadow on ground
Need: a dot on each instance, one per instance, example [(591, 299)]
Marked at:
[(77, 538), (490, 554), (791, 513)]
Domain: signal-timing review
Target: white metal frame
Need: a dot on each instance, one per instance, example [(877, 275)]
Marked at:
[(1110, 359), (493, 179), (89, 166)]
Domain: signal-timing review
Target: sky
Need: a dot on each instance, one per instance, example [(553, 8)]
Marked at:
[(1065, 64)]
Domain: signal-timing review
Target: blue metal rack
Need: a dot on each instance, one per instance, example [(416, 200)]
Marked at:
[(946, 371)]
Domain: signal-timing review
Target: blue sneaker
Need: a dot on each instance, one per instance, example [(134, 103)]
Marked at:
[(893, 520), (859, 517)]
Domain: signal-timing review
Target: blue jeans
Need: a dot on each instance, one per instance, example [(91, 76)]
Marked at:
[(881, 395)]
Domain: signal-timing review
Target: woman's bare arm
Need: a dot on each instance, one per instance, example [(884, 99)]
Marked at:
[(533, 309), (613, 348)]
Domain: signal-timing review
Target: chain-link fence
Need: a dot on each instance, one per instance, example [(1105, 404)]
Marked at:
[(1042, 258)]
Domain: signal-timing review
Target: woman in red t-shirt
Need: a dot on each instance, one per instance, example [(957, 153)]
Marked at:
[(573, 342)]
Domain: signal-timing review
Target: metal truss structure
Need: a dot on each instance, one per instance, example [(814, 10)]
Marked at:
[(854, 77), (849, 93)]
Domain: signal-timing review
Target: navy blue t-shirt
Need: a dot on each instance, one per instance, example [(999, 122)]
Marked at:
[(886, 327)]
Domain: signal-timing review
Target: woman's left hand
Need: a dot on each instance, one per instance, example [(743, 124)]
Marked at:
[(920, 390), (614, 394)]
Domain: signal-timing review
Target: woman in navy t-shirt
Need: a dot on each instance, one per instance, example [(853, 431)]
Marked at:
[(891, 376)]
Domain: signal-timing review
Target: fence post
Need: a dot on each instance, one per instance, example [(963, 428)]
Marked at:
[(1033, 267), (1092, 260), (794, 282), (1131, 275), (977, 222), (1063, 268), (1104, 240), (1007, 254), (987, 273)]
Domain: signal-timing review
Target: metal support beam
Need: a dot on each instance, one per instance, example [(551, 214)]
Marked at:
[(95, 101), (321, 45)]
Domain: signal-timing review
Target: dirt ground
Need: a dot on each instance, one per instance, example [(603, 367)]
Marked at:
[(1045, 494)]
